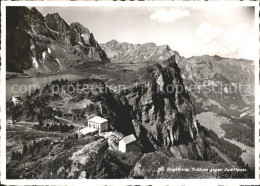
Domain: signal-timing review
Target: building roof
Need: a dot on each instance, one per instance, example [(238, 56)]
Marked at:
[(16, 98), (87, 130), (97, 119), (128, 139)]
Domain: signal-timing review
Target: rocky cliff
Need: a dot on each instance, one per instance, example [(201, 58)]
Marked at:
[(47, 44)]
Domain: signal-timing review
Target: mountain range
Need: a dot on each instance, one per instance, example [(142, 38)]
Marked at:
[(48, 44), (134, 53), (172, 125), (198, 72)]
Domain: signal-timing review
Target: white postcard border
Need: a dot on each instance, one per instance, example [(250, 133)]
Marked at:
[(125, 181)]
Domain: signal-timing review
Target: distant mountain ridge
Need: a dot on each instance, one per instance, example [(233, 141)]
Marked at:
[(47, 44), (127, 52)]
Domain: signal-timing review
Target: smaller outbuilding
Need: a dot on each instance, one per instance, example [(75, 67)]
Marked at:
[(129, 144), (87, 130)]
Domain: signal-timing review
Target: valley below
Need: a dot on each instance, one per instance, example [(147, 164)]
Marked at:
[(213, 122)]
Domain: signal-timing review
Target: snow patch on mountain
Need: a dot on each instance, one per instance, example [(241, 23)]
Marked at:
[(61, 67), (32, 47), (49, 50), (43, 55), (35, 63)]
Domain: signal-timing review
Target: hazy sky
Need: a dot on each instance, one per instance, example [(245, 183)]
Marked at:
[(224, 31)]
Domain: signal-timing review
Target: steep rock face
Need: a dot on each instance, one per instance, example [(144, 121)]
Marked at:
[(56, 23), (84, 38), (79, 28), (126, 52), (18, 40), (163, 109), (47, 44), (159, 112)]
